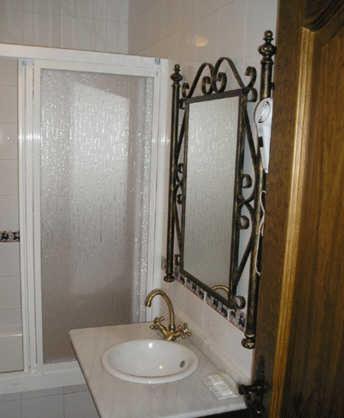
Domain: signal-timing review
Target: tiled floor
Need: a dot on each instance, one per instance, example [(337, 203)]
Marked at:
[(67, 402)]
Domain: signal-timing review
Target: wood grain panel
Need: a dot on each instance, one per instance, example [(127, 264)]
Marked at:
[(277, 280), (318, 12), (301, 300), (314, 384)]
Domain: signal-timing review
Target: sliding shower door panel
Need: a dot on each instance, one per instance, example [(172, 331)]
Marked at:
[(95, 168)]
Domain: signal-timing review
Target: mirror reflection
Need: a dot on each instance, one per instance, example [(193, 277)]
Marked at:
[(211, 154)]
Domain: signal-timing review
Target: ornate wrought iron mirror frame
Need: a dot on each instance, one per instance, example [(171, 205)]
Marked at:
[(215, 83), (241, 181)]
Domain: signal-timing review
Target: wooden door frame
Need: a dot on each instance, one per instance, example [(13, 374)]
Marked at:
[(293, 78)]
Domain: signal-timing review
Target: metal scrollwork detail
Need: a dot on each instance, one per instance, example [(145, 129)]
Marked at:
[(252, 73), (244, 222), (185, 89), (179, 183), (246, 181), (213, 79)]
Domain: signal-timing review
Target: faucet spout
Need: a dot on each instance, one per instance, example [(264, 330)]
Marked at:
[(159, 292)]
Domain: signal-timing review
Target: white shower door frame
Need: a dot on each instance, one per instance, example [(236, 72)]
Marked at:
[(32, 60)]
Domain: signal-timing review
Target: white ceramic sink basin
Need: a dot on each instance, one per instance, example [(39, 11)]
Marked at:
[(150, 361)]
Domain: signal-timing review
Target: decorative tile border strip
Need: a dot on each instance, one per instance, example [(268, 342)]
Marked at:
[(9, 236), (236, 318)]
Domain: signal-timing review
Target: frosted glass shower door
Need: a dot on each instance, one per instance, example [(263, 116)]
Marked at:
[(95, 168)]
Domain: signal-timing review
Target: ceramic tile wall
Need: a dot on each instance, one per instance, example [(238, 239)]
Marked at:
[(67, 402), (10, 304), (193, 31), (96, 25), (190, 32)]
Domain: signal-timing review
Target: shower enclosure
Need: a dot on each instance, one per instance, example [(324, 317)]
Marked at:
[(91, 128)]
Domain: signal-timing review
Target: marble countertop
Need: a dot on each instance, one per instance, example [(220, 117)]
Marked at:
[(116, 398)]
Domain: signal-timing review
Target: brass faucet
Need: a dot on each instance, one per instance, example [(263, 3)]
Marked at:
[(170, 333)]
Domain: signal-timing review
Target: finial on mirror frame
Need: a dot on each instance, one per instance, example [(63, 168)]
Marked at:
[(267, 50), (176, 76)]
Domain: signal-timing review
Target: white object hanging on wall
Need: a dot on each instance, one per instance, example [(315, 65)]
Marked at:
[(263, 120)]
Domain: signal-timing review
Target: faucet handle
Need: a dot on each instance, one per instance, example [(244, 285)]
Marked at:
[(156, 322), (184, 330)]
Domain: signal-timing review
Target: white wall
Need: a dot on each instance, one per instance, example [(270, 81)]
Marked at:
[(171, 29), (96, 25), (190, 32)]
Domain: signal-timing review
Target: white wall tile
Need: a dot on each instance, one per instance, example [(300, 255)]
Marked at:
[(8, 104), (11, 352), (42, 29), (11, 26), (84, 34), (79, 405), (117, 9), (261, 16), (9, 256), (100, 34), (205, 7), (28, 28), (27, 5), (9, 213), (66, 36), (65, 24), (10, 409), (136, 35), (11, 318), (101, 10), (112, 35), (68, 7), (78, 33), (10, 396), (138, 7), (8, 177), (122, 37), (74, 389), (47, 7), (6, 5), (8, 71), (43, 407), (85, 8), (8, 140), (170, 17), (9, 291), (42, 393)]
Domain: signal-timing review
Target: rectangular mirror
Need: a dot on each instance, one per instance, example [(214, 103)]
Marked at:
[(211, 153), (216, 195)]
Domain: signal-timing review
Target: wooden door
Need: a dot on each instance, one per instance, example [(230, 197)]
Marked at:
[(300, 326)]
